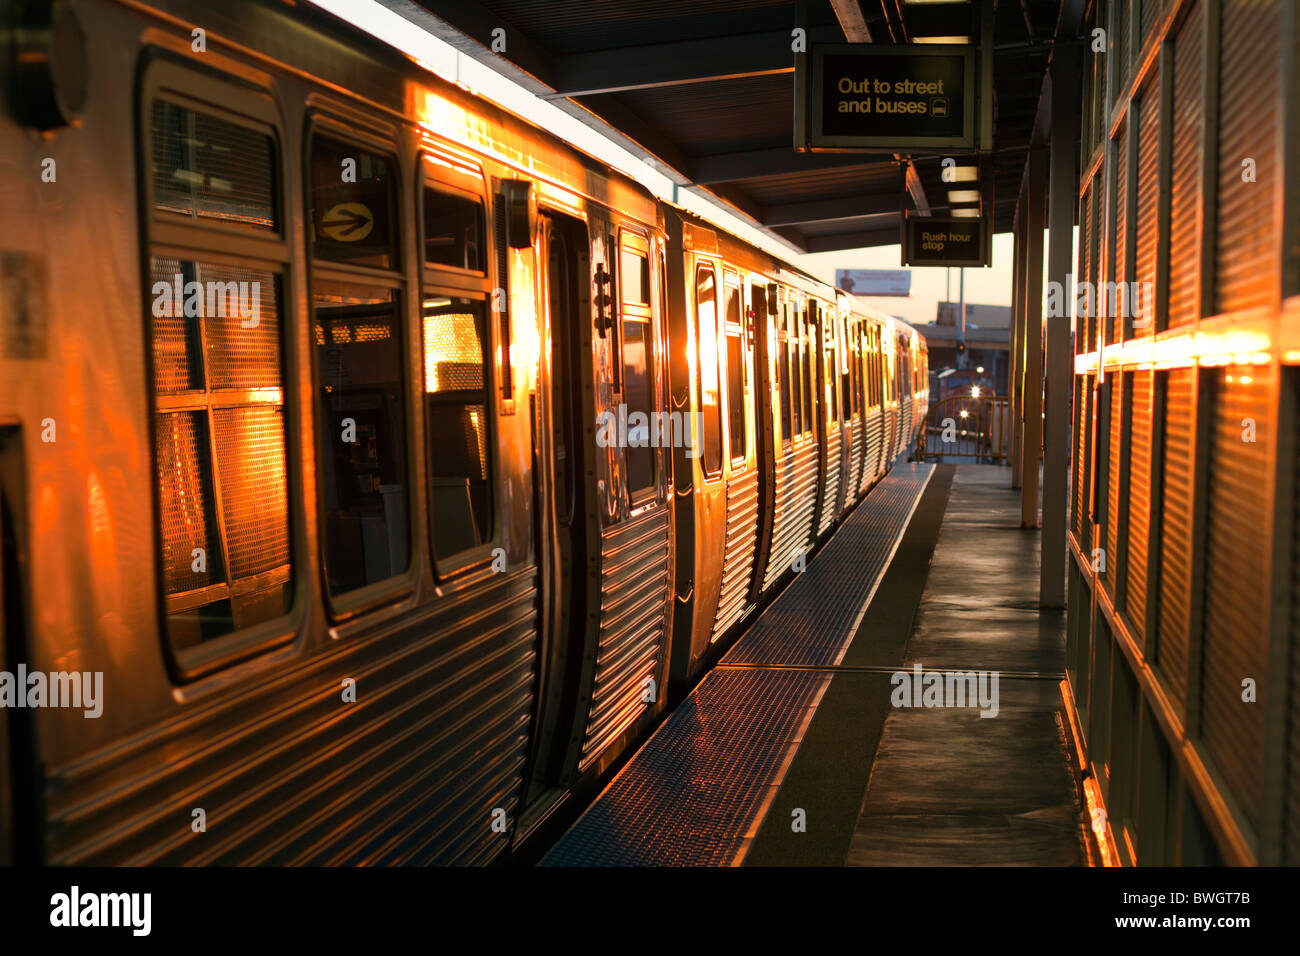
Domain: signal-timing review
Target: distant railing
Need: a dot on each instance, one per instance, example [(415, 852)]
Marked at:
[(967, 426)]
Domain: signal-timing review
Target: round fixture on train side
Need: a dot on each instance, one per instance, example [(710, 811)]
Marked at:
[(49, 64)]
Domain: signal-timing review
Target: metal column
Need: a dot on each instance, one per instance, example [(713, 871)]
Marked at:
[(1031, 442), (1017, 346), (1062, 197)]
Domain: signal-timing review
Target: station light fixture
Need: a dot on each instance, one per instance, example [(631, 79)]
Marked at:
[(949, 40), (956, 196), (961, 174), (967, 213)]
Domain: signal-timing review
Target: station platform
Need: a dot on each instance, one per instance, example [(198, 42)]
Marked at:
[(799, 748)]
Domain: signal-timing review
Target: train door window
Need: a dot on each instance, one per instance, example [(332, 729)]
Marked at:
[(353, 205), (807, 346), (828, 360), (783, 372), (218, 390), (848, 399), (735, 371), (457, 414), (873, 371), (457, 352), (706, 330), (453, 230), (360, 381), (796, 369), (638, 361)]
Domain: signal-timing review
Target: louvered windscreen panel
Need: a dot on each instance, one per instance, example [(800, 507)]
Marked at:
[(1085, 487), (1238, 541), (1148, 185), (1119, 26), (1113, 452), (1083, 324), (1094, 266), (1099, 94), (1292, 845), (1175, 523), (1080, 447), (1185, 192), (1117, 301), (1246, 240), (1150, 13), (1138, 496)]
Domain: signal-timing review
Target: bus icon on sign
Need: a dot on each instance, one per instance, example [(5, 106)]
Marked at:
[(939, 107)]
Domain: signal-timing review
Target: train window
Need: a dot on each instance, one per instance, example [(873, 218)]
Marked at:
[(735, 376), (219, 443), (360, 432), (634, 278), (806, 350), (783, 372), (453, 230), (828, 360), (456, 412), (353, 205), (848, 395), (638, 359), (207, 168), (796, 368), (706, 329)]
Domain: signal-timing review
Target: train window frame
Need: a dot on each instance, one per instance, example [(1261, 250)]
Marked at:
[(457, 179), (732, 283), (781, 362), (449, 174), (253, 107), (705, 264), (459, 562), (638, 243), (349, 604), (807, 346), (828, 320)]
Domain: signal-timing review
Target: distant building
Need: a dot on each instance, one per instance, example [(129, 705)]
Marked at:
[(987, 345)]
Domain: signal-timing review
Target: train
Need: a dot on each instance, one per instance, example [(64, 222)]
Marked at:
[(378, 466)]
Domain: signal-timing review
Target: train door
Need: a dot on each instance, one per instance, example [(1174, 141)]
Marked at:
[(562, 507)]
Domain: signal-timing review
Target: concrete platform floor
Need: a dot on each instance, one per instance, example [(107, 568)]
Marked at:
[(879, 784)]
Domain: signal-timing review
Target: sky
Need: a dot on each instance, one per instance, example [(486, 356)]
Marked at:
[(991, 286)]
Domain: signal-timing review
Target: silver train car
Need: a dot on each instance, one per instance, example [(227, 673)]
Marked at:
[(324, 468)]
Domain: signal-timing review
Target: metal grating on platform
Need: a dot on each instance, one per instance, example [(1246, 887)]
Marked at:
[(813, 620), (696, 793)]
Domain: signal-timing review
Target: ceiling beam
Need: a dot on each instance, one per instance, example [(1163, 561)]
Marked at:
[(828, 210), (685, 61), (854, 240), (777, 161)]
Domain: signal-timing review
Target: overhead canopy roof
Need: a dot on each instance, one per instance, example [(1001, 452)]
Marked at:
[(704, 89)]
